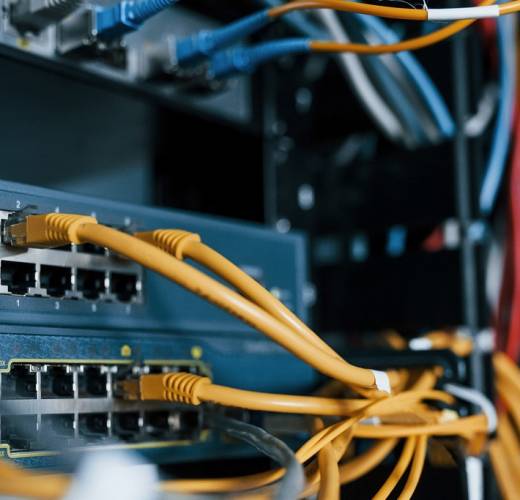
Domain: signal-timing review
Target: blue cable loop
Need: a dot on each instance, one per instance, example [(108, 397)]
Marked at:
[(205, 43), (416, 72), (496, 163), (247, 59)]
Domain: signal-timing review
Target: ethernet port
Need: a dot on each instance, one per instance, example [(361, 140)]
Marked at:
[(19, 431), (190, 423), (126, 425), (91, 283), (57, 382), (123, 286), (158, 423), (93, 425), (90, 248), (56, 280), (17, 276), (19, 383), (92, 383), (58, 426), (157, 369)]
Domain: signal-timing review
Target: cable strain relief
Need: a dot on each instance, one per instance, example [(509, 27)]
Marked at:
[(55, 229), (184, 387), (173, 241)]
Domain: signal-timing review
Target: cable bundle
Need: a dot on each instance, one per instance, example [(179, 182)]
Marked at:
[(357, 400)]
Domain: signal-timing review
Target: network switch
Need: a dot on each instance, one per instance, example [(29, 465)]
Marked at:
[(73, 272), (78, 319), (65, 41)]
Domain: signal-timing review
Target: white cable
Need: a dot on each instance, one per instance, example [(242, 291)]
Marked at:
[(463, 13), (351, 65), (478, 399), (477, 124), (475, 478)]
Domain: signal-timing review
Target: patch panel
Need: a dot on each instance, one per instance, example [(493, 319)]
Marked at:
[(46, 407)]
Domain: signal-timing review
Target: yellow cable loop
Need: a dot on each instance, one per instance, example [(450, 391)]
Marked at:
[(182, 244), (199, 284)]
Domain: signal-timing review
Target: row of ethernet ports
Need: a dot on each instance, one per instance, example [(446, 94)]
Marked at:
[(53, 382), (24, 433), (21, 278), (75, 380)]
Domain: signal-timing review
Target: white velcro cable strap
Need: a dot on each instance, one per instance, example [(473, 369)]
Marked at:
[(420, 344), (478, 399), (463, 13), (371, 421), (382, 381)]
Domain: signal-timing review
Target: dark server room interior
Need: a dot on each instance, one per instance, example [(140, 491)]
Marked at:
[(265, 249)]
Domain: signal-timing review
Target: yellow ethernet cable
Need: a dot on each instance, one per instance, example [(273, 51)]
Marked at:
[(416, 469), (193, 389), (328, 469), (58, 229), (398, 471), (269, 316), (183, 244), (502, 470)]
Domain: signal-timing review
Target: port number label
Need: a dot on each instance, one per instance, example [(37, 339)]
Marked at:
[(57, 305), (94, 308)]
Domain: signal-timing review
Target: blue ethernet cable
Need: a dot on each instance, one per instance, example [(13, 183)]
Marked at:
[(496, 163), (246, 59), (207, 43), (126, 16), (203, 44), (417, 74), (423, 83)]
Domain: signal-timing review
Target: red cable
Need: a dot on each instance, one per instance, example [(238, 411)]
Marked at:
[(513, 337)]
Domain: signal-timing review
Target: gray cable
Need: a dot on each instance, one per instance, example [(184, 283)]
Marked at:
[(351, 65), (293, 481)]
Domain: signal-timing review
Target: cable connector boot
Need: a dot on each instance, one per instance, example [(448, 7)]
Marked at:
[(172, 241), (46, 230), (175, 387)]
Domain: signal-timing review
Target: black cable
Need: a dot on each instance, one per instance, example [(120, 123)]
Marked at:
[(293, 481)]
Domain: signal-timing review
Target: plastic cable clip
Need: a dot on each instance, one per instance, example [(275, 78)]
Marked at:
[(382, 381)]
